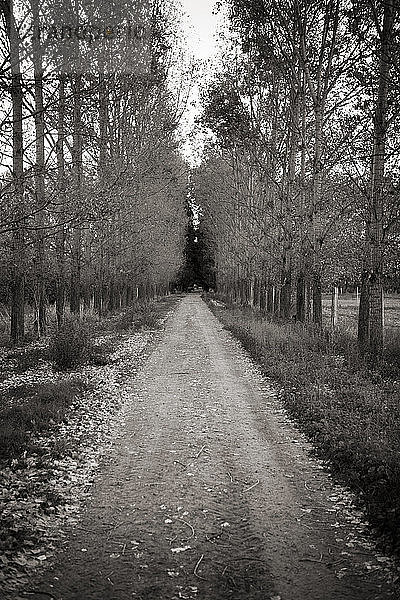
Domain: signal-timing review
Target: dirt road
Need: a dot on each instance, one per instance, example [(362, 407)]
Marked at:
[(209, 492)]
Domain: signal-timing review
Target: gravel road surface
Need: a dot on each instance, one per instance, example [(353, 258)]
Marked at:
[(209, 491)]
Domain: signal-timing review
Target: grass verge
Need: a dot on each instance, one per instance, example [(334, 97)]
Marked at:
[(43, 405), (349, 409), (144, 315), (32, 408)]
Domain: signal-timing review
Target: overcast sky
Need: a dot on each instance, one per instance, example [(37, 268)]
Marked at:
[(201, 27)]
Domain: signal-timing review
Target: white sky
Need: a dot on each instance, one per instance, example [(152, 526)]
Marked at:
[(201, 27)]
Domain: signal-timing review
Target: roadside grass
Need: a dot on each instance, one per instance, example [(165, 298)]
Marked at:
[(32, 409), (348, 408), (145, 315), (74, 344), (139, 316)]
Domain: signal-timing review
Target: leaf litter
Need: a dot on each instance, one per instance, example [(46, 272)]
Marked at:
[(43, 490)]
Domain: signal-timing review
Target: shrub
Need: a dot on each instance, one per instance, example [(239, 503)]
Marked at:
[(72, 345), (146, 317), (124, 321), (138, 316)]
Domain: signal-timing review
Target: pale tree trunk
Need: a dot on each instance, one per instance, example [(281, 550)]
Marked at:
[(318, 87), (60, 235), (371, 335), (39, 285), (17, 287), (301, 304), (76, 255), (103, 128), (286, 273), (272, 169), (76, 264), (334, 307), (102, 176), (316, 220), (363, 311), (87, 288)]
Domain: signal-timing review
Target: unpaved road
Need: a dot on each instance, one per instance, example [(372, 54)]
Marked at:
[(209, 492)]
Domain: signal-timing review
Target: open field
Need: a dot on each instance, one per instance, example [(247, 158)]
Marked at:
[(348, 311)]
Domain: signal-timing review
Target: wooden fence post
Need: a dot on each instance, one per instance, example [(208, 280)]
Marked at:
[(334, 307)]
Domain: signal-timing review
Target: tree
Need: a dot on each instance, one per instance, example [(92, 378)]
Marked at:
[(18, 249), (286, 108), (106, 218), (40, 200), (371, 314)]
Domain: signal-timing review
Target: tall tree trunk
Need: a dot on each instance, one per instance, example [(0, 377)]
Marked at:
[(376, 209), (301, 293), (39, 286), (301, 297), (103, 129), (319, 88), (102, 177), (76, 257), (17, 287), (316, 219), (60, 235), (293, 139), (76, 263)]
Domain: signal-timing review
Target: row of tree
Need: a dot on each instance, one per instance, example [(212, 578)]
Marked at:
[(299, 183), (93, 188)]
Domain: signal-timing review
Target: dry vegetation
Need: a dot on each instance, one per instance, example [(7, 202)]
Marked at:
[(349, 408)]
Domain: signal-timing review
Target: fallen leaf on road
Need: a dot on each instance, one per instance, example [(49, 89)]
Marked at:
[(341, 573), (181, 549)]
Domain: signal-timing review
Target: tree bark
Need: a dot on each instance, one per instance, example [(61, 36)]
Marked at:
[(39, 285), (301, 298), (316, 219), (76, 258), (17, 287), (376, 329), (302, 312), (334, 307), (60, 235), (292, 148)]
